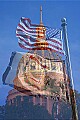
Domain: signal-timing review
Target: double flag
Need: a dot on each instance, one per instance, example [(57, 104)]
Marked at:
[(28, 34)]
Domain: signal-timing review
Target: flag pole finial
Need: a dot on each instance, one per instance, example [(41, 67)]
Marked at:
[(41, 15), (63, 20)]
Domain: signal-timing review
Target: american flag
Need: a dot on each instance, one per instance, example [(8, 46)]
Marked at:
[(27, 34)]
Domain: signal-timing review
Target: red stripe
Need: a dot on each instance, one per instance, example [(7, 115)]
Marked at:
[(41, 48), (55, 41), (24, 22), (25, 29), (27, 43), (19, 30), (35, 44)]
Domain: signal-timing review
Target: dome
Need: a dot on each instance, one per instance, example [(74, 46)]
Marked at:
[(41, 72)]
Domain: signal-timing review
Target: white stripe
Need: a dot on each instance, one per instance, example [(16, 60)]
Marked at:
[(25, 45), (26, 31), (55, 40), (55, 49), (26, 34), (55, 44), (27, 27), (25, 21), (28, 40)]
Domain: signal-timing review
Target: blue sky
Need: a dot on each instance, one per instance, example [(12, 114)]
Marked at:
[(53, 11)]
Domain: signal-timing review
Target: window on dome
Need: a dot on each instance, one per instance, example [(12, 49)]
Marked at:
[(33, 66), (27, 62), (54, 67)]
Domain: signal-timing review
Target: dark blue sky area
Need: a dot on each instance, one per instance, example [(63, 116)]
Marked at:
[(53, 11)]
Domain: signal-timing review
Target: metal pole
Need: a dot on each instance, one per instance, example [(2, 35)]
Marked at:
[(41, 15), (69, 71)]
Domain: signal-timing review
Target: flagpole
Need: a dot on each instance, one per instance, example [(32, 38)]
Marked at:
[(41, 15), (69, 71)]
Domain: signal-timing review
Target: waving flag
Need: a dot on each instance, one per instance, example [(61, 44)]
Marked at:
[(30, 35), (27, 71), (10, 72)]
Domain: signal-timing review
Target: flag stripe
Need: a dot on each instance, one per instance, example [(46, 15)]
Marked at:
[(27, 43), (54, 40), (40, 48), (26, 30)]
